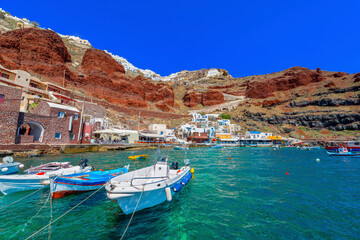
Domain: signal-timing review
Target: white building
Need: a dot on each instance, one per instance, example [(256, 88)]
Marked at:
[(257, 135)]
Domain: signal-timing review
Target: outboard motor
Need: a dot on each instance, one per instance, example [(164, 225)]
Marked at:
[(83, 163), (175, 165), (8, 160)]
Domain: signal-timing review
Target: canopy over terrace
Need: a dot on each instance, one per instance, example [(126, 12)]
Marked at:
[(110, 135), (152, 138)]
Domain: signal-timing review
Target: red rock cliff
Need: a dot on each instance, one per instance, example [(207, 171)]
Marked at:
[(35, 50), (292, 78), (43, 52)]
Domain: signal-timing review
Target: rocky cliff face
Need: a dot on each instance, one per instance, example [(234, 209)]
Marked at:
[(332, 120), (105, 78), (43, 52)]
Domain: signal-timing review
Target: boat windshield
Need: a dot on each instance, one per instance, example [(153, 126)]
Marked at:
[(163, 159)]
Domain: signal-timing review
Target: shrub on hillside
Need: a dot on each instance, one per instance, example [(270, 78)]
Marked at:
[(225, 116)]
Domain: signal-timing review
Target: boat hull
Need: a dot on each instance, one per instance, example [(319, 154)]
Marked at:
[(12, 168), (14, 185), (128, 200), (349, 154), (24, 182), (62, 190)]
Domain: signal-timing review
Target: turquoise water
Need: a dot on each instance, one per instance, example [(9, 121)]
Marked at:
[(249, 196)]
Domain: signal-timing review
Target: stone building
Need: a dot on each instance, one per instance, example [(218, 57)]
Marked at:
[(49, 123), (10, 99)]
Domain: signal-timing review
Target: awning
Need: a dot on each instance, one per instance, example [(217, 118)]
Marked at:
[(151, 135)]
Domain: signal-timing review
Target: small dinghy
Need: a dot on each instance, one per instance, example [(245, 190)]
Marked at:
[(9, 166), (82, 182), (23, 182), (180, 148), (216, 146), (148, 187), (138, 157)]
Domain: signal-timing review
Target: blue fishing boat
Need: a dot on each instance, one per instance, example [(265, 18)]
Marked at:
[(342, 151), (82, 182)]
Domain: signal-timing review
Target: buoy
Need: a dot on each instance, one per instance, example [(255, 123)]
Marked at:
[(229, 158), (192, 170), (287, 173), (21, 166), (168, 194), (318, 159), (4, 169)]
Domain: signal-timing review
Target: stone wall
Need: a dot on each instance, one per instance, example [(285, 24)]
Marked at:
[(95, 110), (9, 113)]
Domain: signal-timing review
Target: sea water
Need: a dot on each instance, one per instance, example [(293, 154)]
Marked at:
[(237, 193)]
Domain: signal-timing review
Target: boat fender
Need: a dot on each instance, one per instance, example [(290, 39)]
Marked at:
[(168, 194), (189, 176), (46, 182), (21, 166), (4, 169), (184, 181), (177, 187)]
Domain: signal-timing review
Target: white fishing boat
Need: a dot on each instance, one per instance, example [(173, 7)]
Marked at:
[(23, 182), (9, 166), (150, 186), (47, 167)]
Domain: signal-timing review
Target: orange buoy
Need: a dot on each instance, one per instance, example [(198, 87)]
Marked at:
[(229, 158), (287, 173)]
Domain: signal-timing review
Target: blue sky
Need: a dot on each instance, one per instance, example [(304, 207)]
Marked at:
[(243, 37)]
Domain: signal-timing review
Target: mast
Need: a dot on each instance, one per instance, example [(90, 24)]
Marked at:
[(81, 117)]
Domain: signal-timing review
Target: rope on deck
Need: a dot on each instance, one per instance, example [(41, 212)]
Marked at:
[(65, 213), (132, 215), (21, 199)]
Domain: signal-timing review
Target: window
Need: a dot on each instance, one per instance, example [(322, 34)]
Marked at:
[(60, 114), (57, 135), (76, 116), (2, 97), (4, 75), (72, 136)]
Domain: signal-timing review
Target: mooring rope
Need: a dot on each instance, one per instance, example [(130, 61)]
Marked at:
[(51, 216), (21, 199), (29, 221), (132, 215), (65, 213)]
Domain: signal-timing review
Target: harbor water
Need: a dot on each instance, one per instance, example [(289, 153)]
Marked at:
[(237, 193)]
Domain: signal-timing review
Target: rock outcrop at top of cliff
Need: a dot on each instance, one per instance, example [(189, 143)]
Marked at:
[(35, 50), (209, 98), (105, 78), (294, 77)]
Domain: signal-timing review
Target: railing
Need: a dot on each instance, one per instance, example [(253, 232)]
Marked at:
[(166, 177)]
